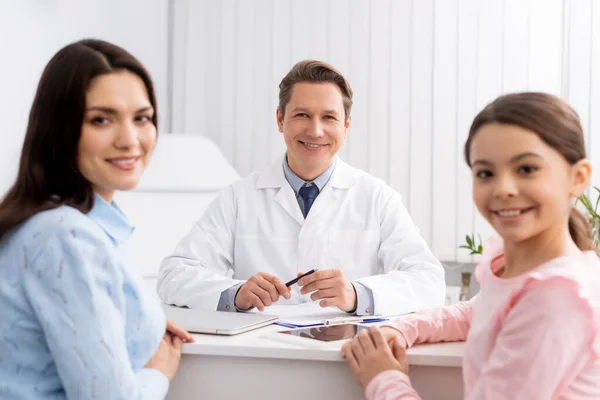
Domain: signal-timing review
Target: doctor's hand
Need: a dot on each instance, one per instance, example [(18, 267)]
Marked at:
[(260, 291), (331, 287), (369, 354)]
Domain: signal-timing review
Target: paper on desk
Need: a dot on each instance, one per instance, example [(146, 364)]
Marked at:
[(305, 314), (311, 314)]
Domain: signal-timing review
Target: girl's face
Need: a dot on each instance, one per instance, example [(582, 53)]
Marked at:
[(521, 185), (117, 135)]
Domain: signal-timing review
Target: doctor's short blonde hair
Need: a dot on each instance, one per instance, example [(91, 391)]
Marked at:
[(314, 71)]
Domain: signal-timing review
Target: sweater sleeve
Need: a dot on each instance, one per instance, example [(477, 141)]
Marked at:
[(69, 285), (444, 324)]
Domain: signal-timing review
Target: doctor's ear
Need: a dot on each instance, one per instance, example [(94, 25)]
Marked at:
[(347, 123), (279, 117)]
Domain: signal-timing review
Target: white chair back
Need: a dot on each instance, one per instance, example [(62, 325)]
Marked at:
[(185, 174)]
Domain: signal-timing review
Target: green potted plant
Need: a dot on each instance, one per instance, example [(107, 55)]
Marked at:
[(592, 210), (472, 246)]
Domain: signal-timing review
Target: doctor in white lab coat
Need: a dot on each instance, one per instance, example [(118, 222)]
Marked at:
[(308, 210)]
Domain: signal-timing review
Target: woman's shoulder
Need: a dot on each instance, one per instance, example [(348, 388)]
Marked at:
[(63, 223)]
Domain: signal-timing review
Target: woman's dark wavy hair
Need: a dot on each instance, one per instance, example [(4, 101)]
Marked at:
[(48, 175)]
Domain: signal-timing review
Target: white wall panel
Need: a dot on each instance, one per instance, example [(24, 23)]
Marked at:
[(444, 162), (421, 57), (466, 104), (420, 70)]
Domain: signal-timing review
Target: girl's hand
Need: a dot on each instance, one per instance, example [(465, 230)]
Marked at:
[(370, 354)]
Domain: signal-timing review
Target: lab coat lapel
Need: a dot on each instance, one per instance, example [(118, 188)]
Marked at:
[(343, 177), (285, 197)]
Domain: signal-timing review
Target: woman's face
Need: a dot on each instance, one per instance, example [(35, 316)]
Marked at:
[(117, 135)]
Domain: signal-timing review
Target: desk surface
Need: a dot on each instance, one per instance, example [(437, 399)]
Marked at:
[(256, 344)]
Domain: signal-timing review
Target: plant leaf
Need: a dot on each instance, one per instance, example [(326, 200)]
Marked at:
[(469, 241), (464, 247), (586, 203)]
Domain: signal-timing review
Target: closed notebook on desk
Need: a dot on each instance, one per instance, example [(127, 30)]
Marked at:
[(216, 322)]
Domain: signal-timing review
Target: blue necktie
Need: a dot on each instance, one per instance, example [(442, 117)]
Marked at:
[(309, 193)]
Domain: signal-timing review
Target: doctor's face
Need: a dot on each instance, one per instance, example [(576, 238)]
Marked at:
[(314, 127), (118, 135)]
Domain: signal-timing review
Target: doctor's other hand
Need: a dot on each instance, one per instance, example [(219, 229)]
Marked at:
[(167, 356), (369, 354), (332, 288), (260, 291)]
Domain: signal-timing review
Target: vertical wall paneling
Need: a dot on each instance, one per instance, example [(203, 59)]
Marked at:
[(379, 70), (318, 29), (301, 26), (179, 51), (358, 75), (339, 45), (282, 61), (580, 45), (228, 82), (466, 108), (196, 72), (212, 93), (264, 120), (515, 48), (545, 47), (400, 95), (420, 70), (444, 129), (594, 106), (421, 116), (245, 59), (489, 73)]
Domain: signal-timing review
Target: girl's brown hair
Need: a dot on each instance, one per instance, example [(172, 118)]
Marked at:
[(48, 175), (556, 123)]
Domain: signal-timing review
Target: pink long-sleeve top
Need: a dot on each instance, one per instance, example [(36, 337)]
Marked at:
[(535, 336)]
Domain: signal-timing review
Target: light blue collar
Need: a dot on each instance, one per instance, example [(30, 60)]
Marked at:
[(296, 182), (111, 219)]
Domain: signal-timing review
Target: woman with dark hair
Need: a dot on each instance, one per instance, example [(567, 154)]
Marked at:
[(74, 320), (532, 332)]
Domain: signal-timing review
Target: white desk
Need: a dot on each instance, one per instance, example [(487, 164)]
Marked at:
[(248, 366)]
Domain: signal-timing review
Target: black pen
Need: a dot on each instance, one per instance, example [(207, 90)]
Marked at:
[(290, 283)]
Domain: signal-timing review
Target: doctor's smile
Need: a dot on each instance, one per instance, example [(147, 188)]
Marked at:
[(312, 146)]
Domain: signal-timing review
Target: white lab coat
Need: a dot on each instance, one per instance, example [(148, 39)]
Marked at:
[(357, 224)]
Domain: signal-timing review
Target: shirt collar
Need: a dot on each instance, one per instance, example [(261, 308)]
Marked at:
[(296, 182), (111, 219)]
